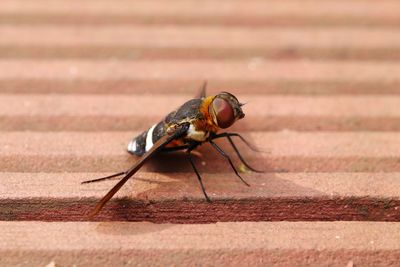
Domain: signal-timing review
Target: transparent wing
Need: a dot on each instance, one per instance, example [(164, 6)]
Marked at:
[(161, 143), (202, 90)]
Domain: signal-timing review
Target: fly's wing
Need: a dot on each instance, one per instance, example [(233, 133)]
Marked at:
[(160, 144), (202, 91)]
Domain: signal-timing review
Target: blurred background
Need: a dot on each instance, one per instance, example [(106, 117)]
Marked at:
[(143, 47), (305, 65)]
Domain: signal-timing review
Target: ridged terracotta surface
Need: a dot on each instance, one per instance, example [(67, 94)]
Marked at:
[(321, 79)]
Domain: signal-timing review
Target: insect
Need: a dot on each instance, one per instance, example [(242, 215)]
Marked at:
[(196, 122)]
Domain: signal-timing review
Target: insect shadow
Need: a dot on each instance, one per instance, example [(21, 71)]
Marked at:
[(167, 202)]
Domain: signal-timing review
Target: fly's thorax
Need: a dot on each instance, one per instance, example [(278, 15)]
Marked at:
[(207, 122), (199, 130), (195, 134), (170, 128), (205, 116)]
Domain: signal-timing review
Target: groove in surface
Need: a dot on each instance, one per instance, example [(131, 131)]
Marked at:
[(179, 87), (146, 53), (176, 197)]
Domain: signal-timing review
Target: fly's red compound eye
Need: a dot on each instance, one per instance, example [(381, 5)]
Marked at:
[(223, 112)]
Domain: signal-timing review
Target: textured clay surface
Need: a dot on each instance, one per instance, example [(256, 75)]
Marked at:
[(321, 83)]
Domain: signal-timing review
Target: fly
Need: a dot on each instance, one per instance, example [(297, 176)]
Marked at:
[(196, 122)]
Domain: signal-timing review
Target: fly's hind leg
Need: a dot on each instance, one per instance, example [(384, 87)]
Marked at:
[(188, 151)]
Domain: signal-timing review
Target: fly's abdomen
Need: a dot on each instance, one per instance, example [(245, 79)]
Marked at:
[(144, 142)]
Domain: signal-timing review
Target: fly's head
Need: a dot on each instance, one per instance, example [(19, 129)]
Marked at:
[(225, 109)]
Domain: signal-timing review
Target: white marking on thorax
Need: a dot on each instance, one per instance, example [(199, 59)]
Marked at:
[(197, 135), (149, 138), (132, 146)]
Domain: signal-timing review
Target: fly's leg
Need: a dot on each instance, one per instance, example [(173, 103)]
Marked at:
[(189, 151), (169, 149), (229, 160), (103, 178), (240, 156), (252, 147), (229, 137)]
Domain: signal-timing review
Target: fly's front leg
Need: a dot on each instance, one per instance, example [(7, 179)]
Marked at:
[(229, 160), (252, 147), (229, 137)]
